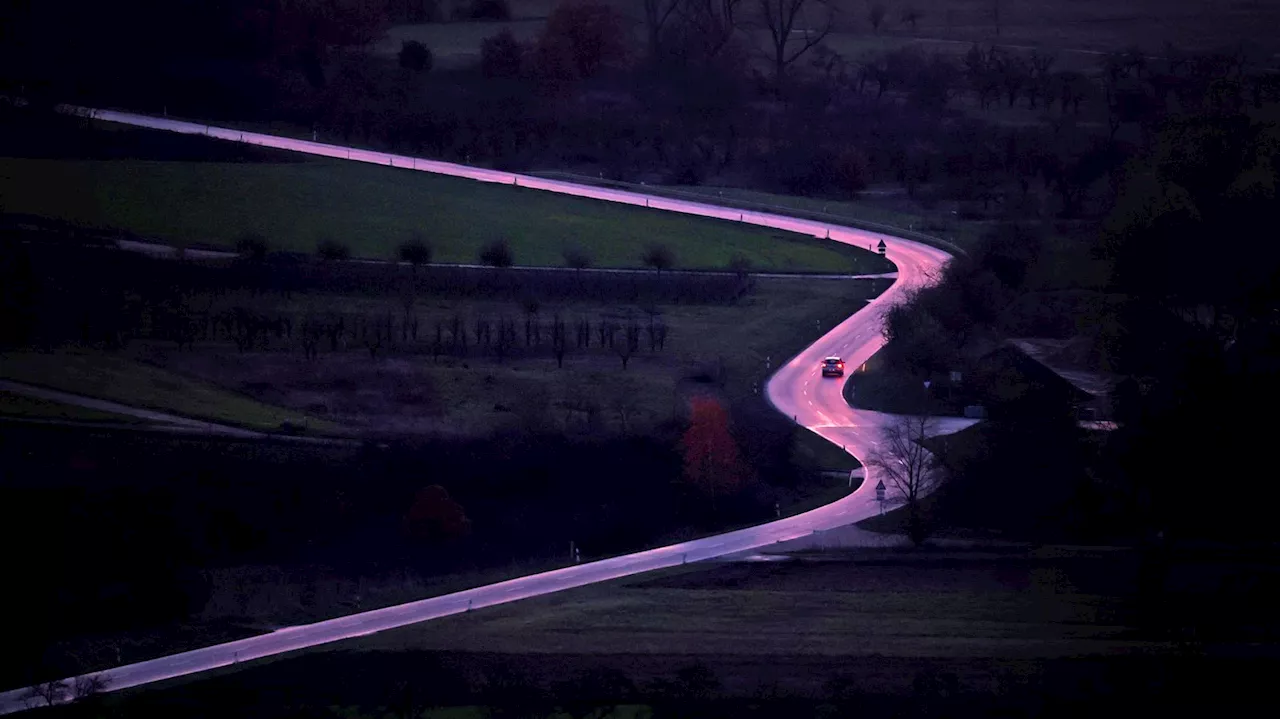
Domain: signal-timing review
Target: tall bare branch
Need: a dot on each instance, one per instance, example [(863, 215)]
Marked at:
[(909, 471), (780, 18), (714, 22), (656, 15)]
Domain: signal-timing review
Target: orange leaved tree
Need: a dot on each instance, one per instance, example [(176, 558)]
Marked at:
[(712, 462), (435, 516)]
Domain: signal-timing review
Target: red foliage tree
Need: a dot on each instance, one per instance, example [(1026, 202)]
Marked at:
[(581, 37), (712, 462), (435, 516)]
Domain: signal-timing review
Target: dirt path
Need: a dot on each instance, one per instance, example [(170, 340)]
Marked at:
[(102, 405)]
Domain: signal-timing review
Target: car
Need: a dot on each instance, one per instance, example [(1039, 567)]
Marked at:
[(833, 367)]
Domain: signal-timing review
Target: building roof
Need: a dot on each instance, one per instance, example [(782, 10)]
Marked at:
[(1054, 354)]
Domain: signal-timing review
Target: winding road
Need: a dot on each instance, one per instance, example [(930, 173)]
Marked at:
[(796, 389)]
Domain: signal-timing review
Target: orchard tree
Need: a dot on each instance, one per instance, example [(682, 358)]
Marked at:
[(712, 461)]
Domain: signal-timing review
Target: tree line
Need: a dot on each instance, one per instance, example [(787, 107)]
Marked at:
[(683, 105), (1175, 297), (59, 283)]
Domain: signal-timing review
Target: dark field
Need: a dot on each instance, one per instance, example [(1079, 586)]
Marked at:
[(1008, 629), (1088, 25)]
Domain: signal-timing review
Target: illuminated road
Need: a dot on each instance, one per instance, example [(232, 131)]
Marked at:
[(797, 390)]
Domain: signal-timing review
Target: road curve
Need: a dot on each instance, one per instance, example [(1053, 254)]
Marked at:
[(796, 389)]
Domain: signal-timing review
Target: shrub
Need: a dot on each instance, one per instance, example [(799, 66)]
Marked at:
[(488, 10), (415, 56), (415, 251), (252, 246), (658, 256), (497, 254), (501, 55), (577, 258), (332, 250)]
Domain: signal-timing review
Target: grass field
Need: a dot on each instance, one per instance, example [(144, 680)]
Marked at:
[(19, 406), (121, 379), (891, 604), (374, 209), (994, 620)]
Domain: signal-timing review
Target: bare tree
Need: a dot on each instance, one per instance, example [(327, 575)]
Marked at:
[(713, 22), (50, 692), (909, 471), (876, 15), (911, 16), (1013, 72), (781, 17), (1039, 85), (656, 15), (88, 686), (560, 340), (630, 345), (624, 401)]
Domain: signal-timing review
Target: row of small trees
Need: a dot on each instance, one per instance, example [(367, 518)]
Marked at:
[(417, 251), (501, 335)]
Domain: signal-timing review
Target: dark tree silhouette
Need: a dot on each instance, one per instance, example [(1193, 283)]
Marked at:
[(497, 254), (252, 246), (909, 471), (911, 16), (333, 250), (581, 37), (576, 257), (501, 55), (415, 56), (876, 14), (658, 256), (416, 251), (787, 20)]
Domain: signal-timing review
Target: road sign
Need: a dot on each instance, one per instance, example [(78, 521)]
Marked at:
[(880, 491)]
